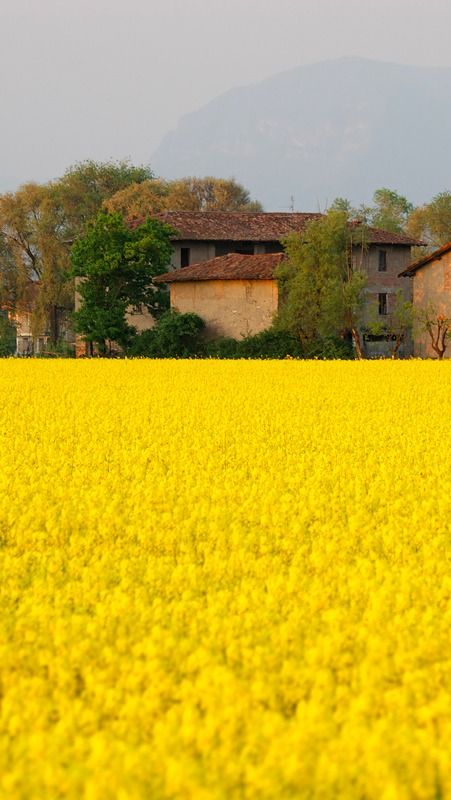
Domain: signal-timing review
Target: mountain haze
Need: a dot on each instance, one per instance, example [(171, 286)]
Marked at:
[(337, 128)]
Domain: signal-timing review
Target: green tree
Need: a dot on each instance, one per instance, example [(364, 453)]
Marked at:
[(187, 194), (7, 336), (137, 201), (390, 210), (84, 187), (174, 336), (8, 276), (432, 222), (321, 282), (32, 232), (210, 194), (396, 325), (37, 226), (116, 265)]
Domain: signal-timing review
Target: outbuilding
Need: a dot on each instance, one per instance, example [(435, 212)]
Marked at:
[(236, 295)]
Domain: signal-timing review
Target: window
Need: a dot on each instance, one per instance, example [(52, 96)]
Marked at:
[(382, 261), (273, 247), (224, 248), (383, 304), (184, 256)]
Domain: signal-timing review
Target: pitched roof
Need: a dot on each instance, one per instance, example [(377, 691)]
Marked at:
[(435, 256), (379, 236), (236, 226), (258, 226), (233, 266)]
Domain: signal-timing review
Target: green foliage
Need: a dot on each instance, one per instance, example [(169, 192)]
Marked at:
[(225, 347), (330, 348), (7, 336), (432, 222), (61, 349), (174, 336), (396, 326), (117, 265), (391, 210), (270, 344), (277, 344), (86, 185), (321, 285)]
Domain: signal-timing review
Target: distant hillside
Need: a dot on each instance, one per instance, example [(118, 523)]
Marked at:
[(341, 127)]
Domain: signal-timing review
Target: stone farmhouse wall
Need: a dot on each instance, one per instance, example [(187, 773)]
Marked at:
[(233, 308), (432, 287)]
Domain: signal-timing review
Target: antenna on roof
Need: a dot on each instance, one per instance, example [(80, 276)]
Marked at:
[(290, 207)]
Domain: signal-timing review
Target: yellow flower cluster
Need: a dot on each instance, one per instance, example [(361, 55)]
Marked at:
[(225, 580)]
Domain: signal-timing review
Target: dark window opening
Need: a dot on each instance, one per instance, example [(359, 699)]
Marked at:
[(273, 247), (184, 256), (224, 248), (382, 261), (383, 304)]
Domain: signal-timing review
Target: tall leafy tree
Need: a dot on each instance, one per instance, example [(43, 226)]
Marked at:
[(116, 265), (32, 230), (210, 194), (390, 210), (137, 201), (431, 222), (38, 224), (321, 283), (188, 194), (84, 187)]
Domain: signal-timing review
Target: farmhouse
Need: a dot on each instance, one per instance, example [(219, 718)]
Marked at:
[(431, 288), (203, 235), (238, 296)]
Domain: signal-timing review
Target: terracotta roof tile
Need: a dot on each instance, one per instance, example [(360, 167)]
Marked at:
[(233, 266), (250, 226), (436, 255), (237, 226), (379, 236)]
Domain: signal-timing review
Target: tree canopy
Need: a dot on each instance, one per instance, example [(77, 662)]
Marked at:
[(389, 210), (187, 194), (83, 188), (321, 284), (117, 264), (431, 222)]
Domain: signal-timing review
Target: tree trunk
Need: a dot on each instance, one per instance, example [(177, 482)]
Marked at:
[(396, 347), (53, 320), (357, 343)]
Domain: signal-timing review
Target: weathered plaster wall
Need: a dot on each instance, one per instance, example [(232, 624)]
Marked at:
[(432, 286), (398, 258), (229, 308), (199, 251)]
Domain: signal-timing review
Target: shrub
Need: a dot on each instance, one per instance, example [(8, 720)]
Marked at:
[(223, 348), (7, 337), (330, 348), (267, 344), (271, 344), (174, 336)]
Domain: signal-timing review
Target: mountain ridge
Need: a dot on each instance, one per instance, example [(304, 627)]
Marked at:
[(334, 128)]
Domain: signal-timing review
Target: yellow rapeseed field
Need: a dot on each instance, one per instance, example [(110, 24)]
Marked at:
[(225, 580)]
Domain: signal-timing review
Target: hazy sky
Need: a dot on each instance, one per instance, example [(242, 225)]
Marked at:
[(107, 79)]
